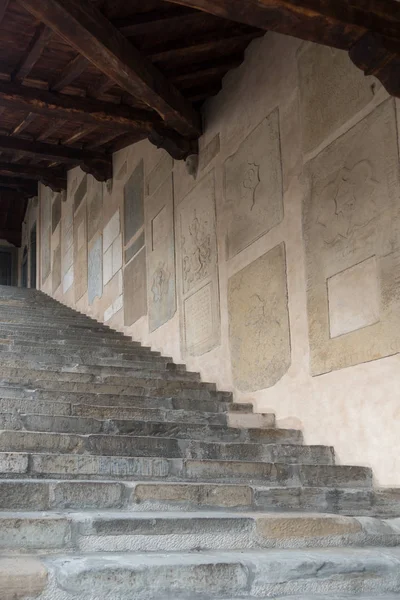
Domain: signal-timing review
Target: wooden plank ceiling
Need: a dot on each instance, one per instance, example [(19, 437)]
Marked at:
[(80, 79)]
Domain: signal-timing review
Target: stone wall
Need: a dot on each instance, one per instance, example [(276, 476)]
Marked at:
[(276, 271)]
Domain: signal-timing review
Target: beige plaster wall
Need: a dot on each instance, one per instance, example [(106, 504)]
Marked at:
[(285, 178)]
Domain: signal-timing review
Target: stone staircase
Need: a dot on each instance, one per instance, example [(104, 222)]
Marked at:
[(123, 477)]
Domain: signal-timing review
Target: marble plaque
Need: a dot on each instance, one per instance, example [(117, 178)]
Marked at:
[(94, 207), (111, 231), (56, 270), (159, 174), (259, 331), (80, 192), (133, 203), (134, 247), (135, 291), (68, 279), (161, 291), (198, 267), (253, 186), (80, 253), (351, 222), (56, 212), (95, 270), (332, 90), (45, 242)]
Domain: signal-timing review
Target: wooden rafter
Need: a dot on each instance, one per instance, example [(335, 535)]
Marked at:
[(92, 35), (28, 187), (38, 44), (75, 108), (3, 9), (56, 179), (72, 71), (369, 29)]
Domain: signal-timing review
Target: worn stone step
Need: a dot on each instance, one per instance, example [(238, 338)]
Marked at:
[(281, 447), (172, 402), (122, 377), (68, 354), (79, 340), (122, 531), (86, 426), (30, 324), (81, 494), (246, 573), (78, 466)]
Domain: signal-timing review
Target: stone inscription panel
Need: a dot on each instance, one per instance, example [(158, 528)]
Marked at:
[(95, 270), (94, 207), (134, 247), (332, 90), (259, 331), (160, 172), (198, 264), (135, 289), (56, 270), (161, 290), (133, 203), (56, 212), (200, 319), (80, 253), (253, 186), (80, 192), (351, 222), (46, 197)]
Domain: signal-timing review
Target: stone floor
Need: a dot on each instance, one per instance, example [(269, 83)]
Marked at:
[(124, 477)]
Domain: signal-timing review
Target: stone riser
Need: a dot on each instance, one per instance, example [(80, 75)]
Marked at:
[(170, 532), (72, 466), (246, 574), (66, 354), (139, 446), (45, 494), (80, 425)]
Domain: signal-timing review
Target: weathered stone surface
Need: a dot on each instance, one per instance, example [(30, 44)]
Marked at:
[(112, 248), (253, 186), (94, 206), (95, 270), (45, 205), (160, 255), (22, 577), (80, 253), (134, 247), (259, 322), (352, 232), (111, 231), (56, 269), (133, 203), (84, 495), (332, 91), (306, 526), (135, 290), (198, 273), (160, 172), (80, 193), (19, 495), (56, 212), (209, 152), (199, 495)]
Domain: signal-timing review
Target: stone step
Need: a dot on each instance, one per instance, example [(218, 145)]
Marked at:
[(282, 448), (47, 324), (81, 494), (122, 531), (245, 574), (81, 340), (58, 353), (28, 317), (78, 375), (89, 466), (90, 426)]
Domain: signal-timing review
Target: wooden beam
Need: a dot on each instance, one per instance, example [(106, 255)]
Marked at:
[(56, 179), (28, 187), (84, 27), (50, 130), (24, 124), (75, 108), (81, 133), (369, 29), (99, 164), (3, 9), (72, 71), (35, 50)]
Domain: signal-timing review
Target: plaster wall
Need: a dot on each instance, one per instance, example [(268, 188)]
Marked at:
[(297, 199)]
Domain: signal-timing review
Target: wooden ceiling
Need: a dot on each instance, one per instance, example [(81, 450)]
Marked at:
[(80, 79)]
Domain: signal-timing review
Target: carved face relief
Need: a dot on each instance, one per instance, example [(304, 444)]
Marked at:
[(196, 251)]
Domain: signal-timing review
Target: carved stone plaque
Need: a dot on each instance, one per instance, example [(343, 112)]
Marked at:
[(94, 207), (133, 203), (95, 270), (134, 247), (198, 268), (159, 174), (135, 292), (253, 186), (56, 212), (352, 233), (46, 196), (332, 90), (56, 270), (259, 331), (160, 255), (80, 253)]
